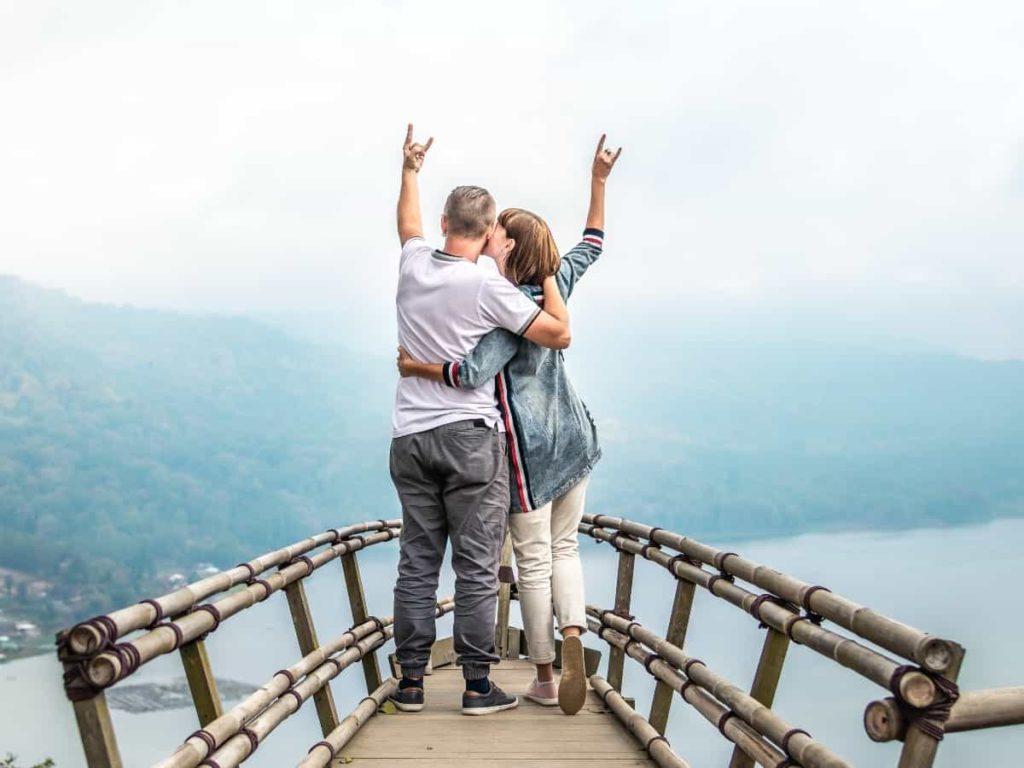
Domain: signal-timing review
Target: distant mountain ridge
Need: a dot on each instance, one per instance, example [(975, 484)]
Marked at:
[(136, 440)]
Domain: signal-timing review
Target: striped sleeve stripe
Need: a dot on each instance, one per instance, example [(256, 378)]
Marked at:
[(594, 237), (446, 374), (455, 369)]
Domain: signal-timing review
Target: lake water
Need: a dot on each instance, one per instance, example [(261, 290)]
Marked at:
[(950, 582)]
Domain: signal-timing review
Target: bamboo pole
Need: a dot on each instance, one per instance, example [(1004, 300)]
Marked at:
[(357, 602), (95, 634), (322, 753), (678, 621), (766, 681), (201, 682), (993, 708), (665, 664), (501, 644), (97, 732), (305, 634), (730, 726), (933, 653), (623, 599), (109, 667), (239, 747), (915, 687), (201, 744), (653, 742)]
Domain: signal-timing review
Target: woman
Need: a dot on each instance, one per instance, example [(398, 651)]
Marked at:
[(551, 436)]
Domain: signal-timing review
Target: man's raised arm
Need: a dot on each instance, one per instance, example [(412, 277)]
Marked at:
[(410, 221)]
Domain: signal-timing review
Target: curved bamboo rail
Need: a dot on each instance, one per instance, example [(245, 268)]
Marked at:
[(91, 636), (932, 653), (323, 752), (922, 705), (654, 743), (203, 743), (108, 667), (916, 687), (679, 667)]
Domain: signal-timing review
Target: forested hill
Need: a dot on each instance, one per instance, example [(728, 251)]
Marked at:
[(135, 441), (131, 438)]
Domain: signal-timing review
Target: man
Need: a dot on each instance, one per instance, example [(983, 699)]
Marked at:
[(448, 450)]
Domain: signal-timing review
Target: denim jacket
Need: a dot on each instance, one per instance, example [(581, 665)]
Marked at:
[(552, 440)]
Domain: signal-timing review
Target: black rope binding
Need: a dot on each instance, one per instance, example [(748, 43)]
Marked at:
[(789, 735), (159, 613), (930, 720), (809, 614), (326, 744)]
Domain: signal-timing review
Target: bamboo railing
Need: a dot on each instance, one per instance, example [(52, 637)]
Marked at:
[(105, 650), (917, 671), (924, 703)]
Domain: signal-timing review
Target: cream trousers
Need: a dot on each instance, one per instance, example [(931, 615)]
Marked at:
[(550, 573)]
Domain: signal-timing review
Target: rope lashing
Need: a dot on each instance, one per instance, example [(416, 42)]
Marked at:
[(254, 740), (650, 659), (690, 663), (646, 548), (159, 612), (327, 745), (301, 559), (725, 718), (809, 614), (250, 569), (767, 597), (207, 739), (930, 719), (682, 559), (268, 590), (789, 735), (719, 562), (647, 746), (214, 613)]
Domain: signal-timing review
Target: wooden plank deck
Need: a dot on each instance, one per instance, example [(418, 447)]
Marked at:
[(528, 736)]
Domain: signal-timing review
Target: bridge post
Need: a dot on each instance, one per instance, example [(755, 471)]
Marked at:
[(919, 748), (305, 633), (623, 598), (357, 601), (97, 732), (678, 621), (201, 682), (501, 641), (766, 682)]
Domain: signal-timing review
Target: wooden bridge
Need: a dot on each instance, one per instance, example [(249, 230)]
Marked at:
[(919, 701)]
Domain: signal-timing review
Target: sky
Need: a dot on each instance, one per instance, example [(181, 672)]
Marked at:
[(857, 164)]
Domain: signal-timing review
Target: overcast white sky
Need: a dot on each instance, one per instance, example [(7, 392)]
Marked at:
[(862, 162)]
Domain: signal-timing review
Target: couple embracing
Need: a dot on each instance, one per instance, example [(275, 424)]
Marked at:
[(489, 434)]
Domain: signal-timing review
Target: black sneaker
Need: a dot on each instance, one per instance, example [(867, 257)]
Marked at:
[(495, 700), (407, 699)]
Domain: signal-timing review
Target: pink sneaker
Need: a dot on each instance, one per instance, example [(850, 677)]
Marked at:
[(545, 694)]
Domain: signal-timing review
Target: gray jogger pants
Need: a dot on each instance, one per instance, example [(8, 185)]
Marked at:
[(453, 484)]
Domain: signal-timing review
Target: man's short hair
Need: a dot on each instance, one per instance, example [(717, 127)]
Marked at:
[(470, 212)]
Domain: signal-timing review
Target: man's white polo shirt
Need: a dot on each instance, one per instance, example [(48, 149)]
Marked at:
[(446, 304)]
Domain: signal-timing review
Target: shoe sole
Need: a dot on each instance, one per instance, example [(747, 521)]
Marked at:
[(540, 700), (406, 707), (572, 687), (490, 710)]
